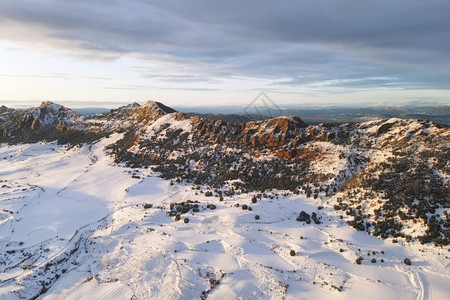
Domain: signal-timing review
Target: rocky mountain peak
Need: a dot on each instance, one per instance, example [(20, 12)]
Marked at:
[(51, 114), (38, 123), (149, 112), (155, 105), (285, 122), (3, 109), (49, 104)]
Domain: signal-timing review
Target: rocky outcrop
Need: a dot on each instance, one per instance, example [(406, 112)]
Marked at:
[(273, 133), (149, 112)]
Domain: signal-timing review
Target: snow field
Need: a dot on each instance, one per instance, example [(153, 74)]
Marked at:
[(72, 219)]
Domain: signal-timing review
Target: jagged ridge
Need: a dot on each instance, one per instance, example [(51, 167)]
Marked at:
[(382, 176)]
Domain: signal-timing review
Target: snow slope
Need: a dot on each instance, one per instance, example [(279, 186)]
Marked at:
[(73, 225)]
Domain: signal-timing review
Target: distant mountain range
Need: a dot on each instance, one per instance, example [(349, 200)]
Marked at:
[(332, 114), (384, 176), (312, 114)]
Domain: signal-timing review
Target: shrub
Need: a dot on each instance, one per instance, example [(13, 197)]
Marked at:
[(304, 217)]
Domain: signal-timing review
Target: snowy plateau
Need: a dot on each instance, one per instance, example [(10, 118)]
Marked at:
[(92, 220)]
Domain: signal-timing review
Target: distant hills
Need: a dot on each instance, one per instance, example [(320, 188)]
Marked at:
[(336, 114), (313, 114)]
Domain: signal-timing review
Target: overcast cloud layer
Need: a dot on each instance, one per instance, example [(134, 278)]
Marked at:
[(333, 46)]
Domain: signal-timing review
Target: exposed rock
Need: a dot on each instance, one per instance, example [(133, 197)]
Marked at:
[(304, 217)]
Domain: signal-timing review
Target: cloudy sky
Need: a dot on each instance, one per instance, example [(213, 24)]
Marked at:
[(108, 52)]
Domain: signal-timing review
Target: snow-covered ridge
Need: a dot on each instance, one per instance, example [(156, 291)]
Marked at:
[(45, 121), (376, 159), (344, 161)]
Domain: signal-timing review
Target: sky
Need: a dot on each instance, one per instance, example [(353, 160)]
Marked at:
[(106, 53)]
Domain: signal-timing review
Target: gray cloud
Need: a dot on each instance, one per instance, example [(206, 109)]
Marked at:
[(345, 44)]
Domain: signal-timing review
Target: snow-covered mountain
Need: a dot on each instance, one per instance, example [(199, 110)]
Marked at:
[(381, 174), (387, 179)]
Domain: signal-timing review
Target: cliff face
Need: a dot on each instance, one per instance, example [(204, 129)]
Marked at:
[(271, 133)]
